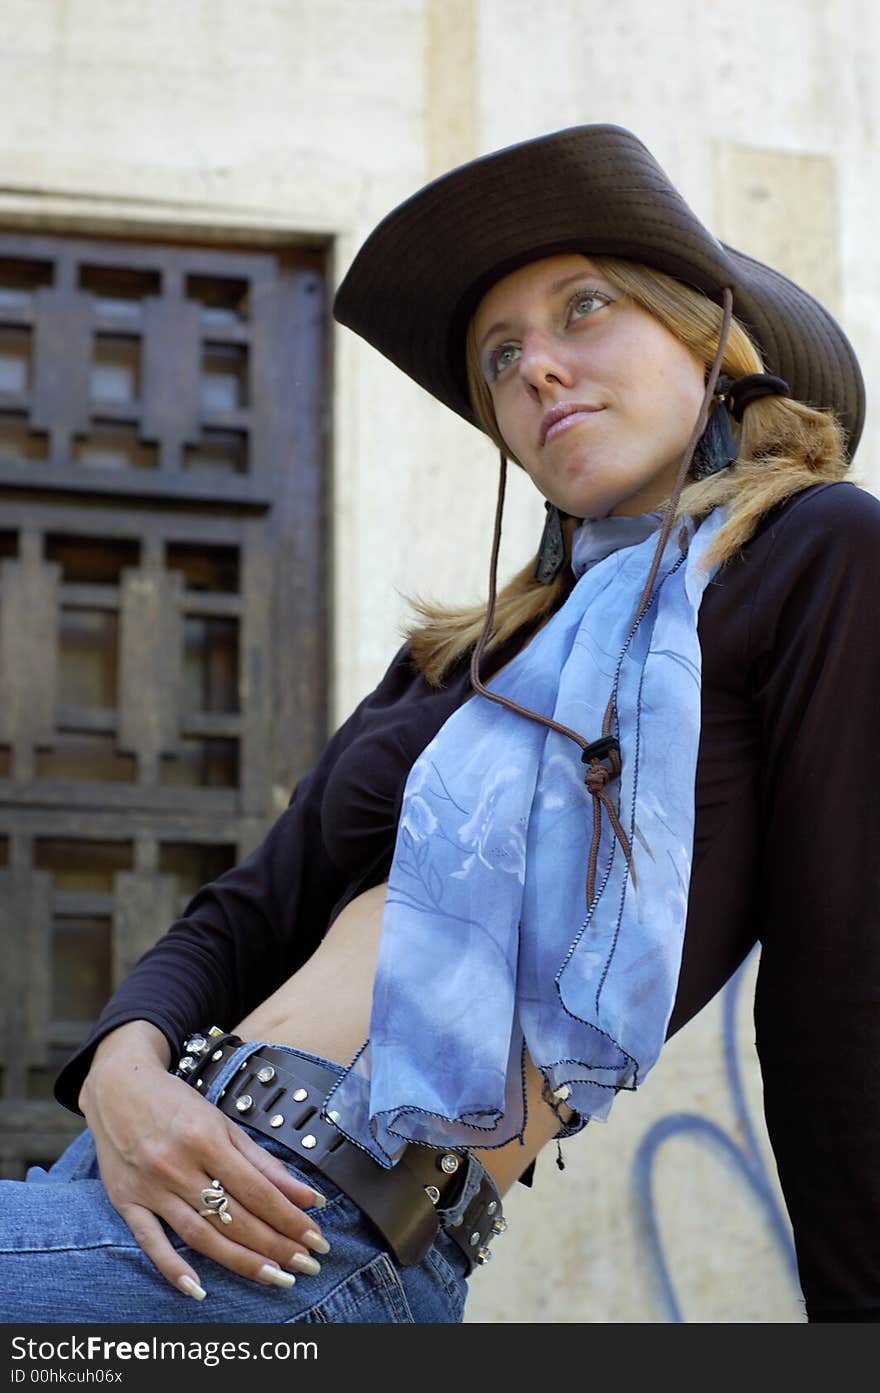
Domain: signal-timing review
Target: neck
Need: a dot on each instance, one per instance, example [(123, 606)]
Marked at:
[(597, 538)]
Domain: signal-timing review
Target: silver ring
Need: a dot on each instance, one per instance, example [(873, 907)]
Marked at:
[(215, 1202)]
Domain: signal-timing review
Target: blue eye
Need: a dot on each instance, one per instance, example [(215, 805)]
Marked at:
[(501, 358), (595, 299)]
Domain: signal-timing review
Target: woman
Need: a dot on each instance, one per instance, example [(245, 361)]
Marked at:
[(451, 975)]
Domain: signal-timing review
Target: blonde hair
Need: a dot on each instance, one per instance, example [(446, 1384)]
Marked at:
[(783, 447)]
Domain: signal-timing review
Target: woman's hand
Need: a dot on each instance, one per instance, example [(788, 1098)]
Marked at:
[(158, 1143)]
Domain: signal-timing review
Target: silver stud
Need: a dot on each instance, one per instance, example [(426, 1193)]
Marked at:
[(242, 1067), (474, 1239), (309, 1141), (218, 1054), (214, 1032), (277, 1120), (196, 1044), (561, 1093), (449, 1163), (200, 1083), (483, 1256), (491, 1207), (186, 1064), (333, 1116), (300, 1095), (433, 1193), (244, 1103), (499, 1226), (266, 1075)]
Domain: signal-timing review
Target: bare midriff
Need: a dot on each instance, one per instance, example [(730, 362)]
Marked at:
[(324, 1008)]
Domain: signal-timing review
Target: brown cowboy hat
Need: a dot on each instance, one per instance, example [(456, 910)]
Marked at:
[(418, 278)]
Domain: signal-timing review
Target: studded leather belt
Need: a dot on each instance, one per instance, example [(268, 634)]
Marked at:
[(281, 1096)]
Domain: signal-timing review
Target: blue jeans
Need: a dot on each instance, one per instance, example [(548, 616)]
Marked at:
[(66, 1256)]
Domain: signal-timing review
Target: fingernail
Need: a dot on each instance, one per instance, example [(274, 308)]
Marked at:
[(191, 1288), (320, 1200), (274, 1274), (303, 1263), (314, 1241)]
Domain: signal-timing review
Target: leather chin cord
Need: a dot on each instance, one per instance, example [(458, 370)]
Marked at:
[(606, 748)]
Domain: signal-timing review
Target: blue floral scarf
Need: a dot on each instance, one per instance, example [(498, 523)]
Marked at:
[(488, 948)]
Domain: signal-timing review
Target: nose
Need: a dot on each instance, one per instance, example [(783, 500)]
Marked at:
[(542, 362)]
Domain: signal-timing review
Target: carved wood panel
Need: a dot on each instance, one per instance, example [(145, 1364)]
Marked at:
[(162, 620)]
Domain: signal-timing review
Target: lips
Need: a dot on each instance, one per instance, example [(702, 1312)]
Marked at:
[(551, 422)]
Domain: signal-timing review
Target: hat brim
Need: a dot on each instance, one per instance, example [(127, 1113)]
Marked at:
[(597, 190)]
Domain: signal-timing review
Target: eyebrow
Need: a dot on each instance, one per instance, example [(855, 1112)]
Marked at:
[(503, 325)]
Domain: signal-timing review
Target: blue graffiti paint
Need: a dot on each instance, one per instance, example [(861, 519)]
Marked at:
[(745, 1158)]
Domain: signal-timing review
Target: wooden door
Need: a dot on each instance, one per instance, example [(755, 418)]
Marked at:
[(162, 609)]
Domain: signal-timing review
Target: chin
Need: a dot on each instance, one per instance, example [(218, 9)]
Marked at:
[(592, 505), (589, 499)]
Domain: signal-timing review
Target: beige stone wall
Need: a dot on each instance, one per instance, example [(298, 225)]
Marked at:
[(289, 119)]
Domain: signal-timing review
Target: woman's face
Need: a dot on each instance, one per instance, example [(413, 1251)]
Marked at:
[(593, 395)]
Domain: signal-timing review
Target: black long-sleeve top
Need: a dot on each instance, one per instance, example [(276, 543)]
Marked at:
[(786, 852)]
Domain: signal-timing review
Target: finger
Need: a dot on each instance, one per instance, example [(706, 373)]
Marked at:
[(267, 1189), (243, 1201), (258, 1217), (246, 1257), (268, 1224), (241, 1249), (150, 1238), (303, 1196)]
